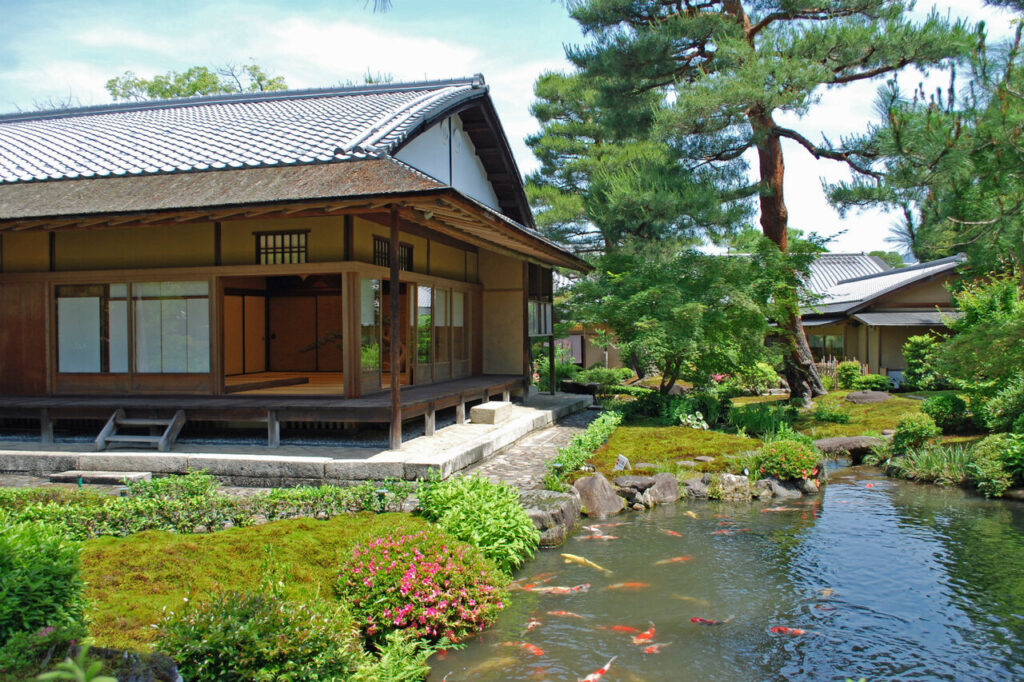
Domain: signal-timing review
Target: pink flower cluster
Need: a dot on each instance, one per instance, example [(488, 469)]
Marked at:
[(422, 582)]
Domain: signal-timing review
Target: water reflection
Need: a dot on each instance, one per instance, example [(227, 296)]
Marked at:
[(895, 581)]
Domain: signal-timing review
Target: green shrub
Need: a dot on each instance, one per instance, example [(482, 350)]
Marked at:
[(82, 668), (40, 584), (485, 514), (15, 499), (605, 378), (424, 582), (401, 658), (846, 372), (260, 635), (921, 374), (714, 404), (762, 418), (934, 464), (949, 411), (831, 410), (325, 501), (579, 450), (24, 654), (192, 485), (757, 379), (1007, 406), (988, 470), (564, 369), (914, 431), (827, 382), (788, 460), (871, 382)]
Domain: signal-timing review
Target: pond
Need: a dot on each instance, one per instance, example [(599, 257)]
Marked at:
[(885, 579)]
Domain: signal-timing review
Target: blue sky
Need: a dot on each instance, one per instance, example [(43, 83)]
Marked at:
[(50, 48)]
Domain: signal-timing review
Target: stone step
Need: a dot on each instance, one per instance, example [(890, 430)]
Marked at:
[(128, 438), (100, 477), (493, 412)]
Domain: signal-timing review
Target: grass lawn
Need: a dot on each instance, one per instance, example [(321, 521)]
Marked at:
[(864, 419), (129, 580), (663, 446)]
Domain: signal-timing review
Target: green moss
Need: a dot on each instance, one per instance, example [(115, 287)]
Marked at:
[(663, 446), (753, 399), (129, 580), (864, 419)]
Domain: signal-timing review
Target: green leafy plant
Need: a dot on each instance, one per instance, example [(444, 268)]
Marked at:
[(762, 418), (40, 584), (913, 431), (831, 410), (694, 421), (78, 669), (934, 463), (846, 372), (564, 369), (192, 485), (27, 653), (402, 657), (575, 455), (949, 411), (485, 514), (871, 382), (788, 460), (828, 382), (921, 374), (424, 582), (757, 379), (1006, 407), (988, 469), (606, 378)]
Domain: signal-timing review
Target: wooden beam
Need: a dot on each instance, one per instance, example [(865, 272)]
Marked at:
[(395, 333)]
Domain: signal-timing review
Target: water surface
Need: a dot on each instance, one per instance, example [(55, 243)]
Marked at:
[(895, 581)]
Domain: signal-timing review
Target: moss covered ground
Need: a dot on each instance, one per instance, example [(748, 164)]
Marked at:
[(131, 579), (663, 446), (864, 419)]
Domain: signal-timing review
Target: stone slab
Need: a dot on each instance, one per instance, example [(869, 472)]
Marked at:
[(157, 463), (493, 412), (363, 469), (260, 465), (37, 462), (100, 477)]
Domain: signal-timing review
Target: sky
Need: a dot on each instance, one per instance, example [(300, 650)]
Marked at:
[(54, 49)]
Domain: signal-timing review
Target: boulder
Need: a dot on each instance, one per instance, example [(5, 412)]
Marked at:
[(638, 483), (784, 489), (762, 490), (664, 490), (630, 495), (848, 445), (697, 489), (1014, 494), (598, 497), (867, 397), (569, 386), (807, 486), (735, 488), (554, 514)]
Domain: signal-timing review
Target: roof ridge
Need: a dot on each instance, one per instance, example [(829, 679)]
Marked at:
[(476, 81), (957, 258)]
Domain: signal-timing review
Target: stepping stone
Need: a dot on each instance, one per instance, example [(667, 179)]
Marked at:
[(704, 458), (101, 477), (493, 412)]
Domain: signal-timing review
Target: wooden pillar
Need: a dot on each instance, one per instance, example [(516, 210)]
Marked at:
[(429, 420), (45, 427), (395, 334), (273, 430), (527, 373), (460, 410), (551, 363)]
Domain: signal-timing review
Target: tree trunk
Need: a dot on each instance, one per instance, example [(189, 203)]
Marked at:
[(799, 371)]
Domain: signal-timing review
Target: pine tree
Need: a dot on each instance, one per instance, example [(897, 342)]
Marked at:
[(723, 70)]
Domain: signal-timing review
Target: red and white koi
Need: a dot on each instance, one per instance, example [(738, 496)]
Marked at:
[(783, 630), (600, 672), (532, 623), (525, 646), (654, 648), (673, 560), (631, 585), (644, 637), (598, 536), (565, 614), (558, 589), (709, 621), (674, 534), (779, 509)]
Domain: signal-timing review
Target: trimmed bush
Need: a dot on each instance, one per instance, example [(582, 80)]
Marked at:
[(949, 411), (871, 382), (423, 582), (988, 470), (485, 514), (788, 460), (914, 431), (40, 584), (260, 635), (1006, 407), (920, 374), (832, 411), (827, 382), (846, 372)]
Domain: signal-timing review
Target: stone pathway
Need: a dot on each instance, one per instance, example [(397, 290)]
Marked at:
[(524, 464)]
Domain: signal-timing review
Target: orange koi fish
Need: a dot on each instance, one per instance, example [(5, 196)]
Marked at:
[(644, 637), (598, 536), (600, 672), (673, 560), (724, 531), (526, 646), (709, 621), (674, 534), (632, 585), (870, 485), (620, 628), (654, 648), (783, 630), (566, 614), (558, 589)]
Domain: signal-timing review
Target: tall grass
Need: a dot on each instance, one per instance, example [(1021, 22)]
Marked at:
[(945, 465)]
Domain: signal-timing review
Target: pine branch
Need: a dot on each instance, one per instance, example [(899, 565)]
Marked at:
[(824, 153)]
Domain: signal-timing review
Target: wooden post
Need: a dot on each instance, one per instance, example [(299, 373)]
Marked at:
[(527, 370), (395, 335), (551, 363), (273, 430), (460, 410), (45, 427), (429, 420)]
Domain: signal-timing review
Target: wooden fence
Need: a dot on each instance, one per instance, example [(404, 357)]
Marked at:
[(828, 366)]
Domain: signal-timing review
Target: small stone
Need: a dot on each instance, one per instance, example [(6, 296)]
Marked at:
[(867, 397), (888, 432), (646, 465), (686, 463), (638, 507), (703, 458)]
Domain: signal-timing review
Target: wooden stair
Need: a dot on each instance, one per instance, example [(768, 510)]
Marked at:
[(162, 432)]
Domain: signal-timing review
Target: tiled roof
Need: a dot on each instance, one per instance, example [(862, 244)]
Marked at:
[(851, 293), (223, 131), (830, 268)]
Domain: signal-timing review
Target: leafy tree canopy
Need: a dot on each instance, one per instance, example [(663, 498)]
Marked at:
[(194, 81), (891, 258)]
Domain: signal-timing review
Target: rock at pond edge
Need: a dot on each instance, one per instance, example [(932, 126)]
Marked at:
[(598, 497)]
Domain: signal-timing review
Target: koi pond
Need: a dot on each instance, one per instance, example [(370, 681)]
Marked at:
[(875, 579)]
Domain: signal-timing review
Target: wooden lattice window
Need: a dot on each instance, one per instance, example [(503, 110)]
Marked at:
[(382, 251), (281, 248)]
